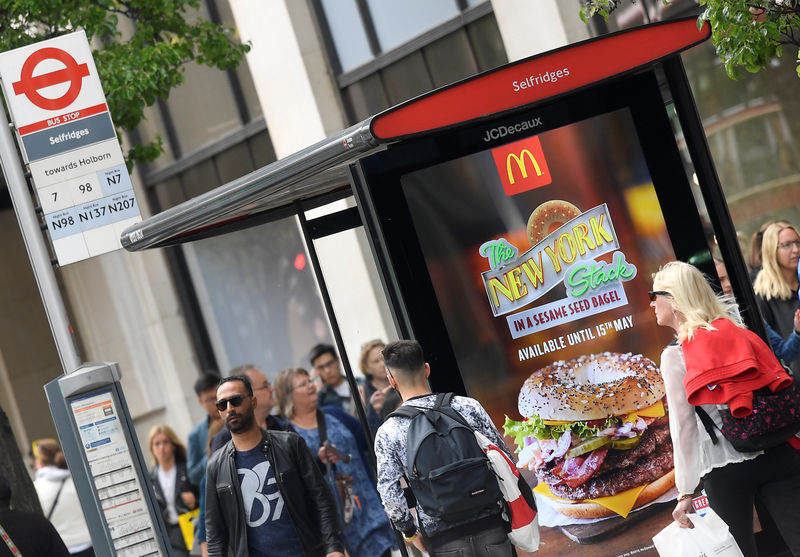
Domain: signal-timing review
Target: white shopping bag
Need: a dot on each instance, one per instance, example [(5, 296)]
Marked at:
[(710, 537)]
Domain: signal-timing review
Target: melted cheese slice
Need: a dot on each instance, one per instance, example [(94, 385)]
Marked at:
[(621, 503), (654, 411), (557, 422)]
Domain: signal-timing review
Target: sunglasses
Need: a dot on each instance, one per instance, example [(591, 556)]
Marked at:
[(653, 293), (236, 402)]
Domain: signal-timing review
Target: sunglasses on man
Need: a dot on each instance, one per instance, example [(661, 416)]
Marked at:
[(235, 401)]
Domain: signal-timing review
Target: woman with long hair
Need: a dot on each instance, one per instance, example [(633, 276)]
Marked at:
[(709, 337), (59, 499), (338, 441), (174, 493), (777, 283), (380, 398)]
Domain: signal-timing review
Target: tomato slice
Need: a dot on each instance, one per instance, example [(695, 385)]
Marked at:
[(577, 471)]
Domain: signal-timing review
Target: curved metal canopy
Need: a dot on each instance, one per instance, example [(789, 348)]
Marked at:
[(317, 169), (322, 167)]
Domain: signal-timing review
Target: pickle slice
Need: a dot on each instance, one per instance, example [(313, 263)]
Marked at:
[(587, 446), (625, 444)]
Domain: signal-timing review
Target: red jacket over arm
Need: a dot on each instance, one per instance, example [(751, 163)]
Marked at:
[(726, 365)]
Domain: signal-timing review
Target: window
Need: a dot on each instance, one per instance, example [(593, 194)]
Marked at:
[(362, 30), (347, 32), (398, 22)]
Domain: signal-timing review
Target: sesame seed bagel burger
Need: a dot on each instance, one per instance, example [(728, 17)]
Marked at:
[(547, 217), (596, 434)]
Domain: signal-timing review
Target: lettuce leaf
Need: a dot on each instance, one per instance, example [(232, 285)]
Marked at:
[(535, 427), (583, 430)]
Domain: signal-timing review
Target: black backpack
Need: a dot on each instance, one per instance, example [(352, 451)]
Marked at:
[(775, 418), (447, 471)]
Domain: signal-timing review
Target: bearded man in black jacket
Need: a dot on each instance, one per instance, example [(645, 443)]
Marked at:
[(265, 494)]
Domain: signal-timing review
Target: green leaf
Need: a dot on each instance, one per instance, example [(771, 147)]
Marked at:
[(144, 47), (746, 33)]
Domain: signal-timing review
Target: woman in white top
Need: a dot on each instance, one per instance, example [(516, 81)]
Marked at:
[(684, 301), (174, 493), (59, 499)]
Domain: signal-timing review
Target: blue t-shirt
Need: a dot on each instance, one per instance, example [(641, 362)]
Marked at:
[(270, 532)]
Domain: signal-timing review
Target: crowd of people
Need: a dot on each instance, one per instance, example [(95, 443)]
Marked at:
[(706, 324), (287, 470), (317, 406)]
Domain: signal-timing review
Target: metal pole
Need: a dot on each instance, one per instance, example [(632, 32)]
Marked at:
[(713, 195), (337, 333), (339, 340), (37, 250)]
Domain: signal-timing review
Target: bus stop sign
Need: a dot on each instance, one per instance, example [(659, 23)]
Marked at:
[(72, 72)]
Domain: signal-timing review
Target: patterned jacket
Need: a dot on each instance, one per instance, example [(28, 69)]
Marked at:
[(390, 453)]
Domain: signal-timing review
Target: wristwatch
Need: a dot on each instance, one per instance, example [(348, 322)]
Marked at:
[(683, 496), (412, 537)]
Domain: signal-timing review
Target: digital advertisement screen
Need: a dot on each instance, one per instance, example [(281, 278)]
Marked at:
[(540, 252), (540, 249)]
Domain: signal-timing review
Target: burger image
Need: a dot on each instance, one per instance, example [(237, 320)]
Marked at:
[(596, 434)]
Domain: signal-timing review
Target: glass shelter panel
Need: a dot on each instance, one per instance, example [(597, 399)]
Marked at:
[(259, 297)]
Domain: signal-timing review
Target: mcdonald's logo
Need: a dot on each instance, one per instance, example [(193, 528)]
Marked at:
[(521, 165)]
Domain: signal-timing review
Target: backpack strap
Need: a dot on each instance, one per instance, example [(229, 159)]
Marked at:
[(445, 408), (410, 411), (708, 423), (321, 427), (406, 412), (442, 399), (441, 405)]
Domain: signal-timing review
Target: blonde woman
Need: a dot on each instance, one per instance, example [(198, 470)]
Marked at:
[(174, 493), (777, 283), (683, 301)]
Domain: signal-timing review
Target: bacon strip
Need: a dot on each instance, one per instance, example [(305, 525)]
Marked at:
[(576, 471)]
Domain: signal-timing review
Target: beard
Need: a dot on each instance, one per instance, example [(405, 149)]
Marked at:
[(246, 421)]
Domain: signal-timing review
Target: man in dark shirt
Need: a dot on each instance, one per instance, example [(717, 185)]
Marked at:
[(334, 390), (24, 533), (196, 456), (265, 495)]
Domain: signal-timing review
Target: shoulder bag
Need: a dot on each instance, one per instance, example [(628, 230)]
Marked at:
[(343, 482)]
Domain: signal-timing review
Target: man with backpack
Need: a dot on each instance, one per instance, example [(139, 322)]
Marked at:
[(430, 440)]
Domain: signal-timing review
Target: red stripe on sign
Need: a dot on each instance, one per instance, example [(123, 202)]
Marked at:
[(533, 79), (63, 119)]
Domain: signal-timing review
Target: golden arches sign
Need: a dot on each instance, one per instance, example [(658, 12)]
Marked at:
[(520, 160)]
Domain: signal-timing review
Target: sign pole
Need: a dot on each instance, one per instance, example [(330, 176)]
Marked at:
[(37, 251)]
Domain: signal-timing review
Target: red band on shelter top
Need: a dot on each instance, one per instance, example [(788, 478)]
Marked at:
[(542, 76)]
